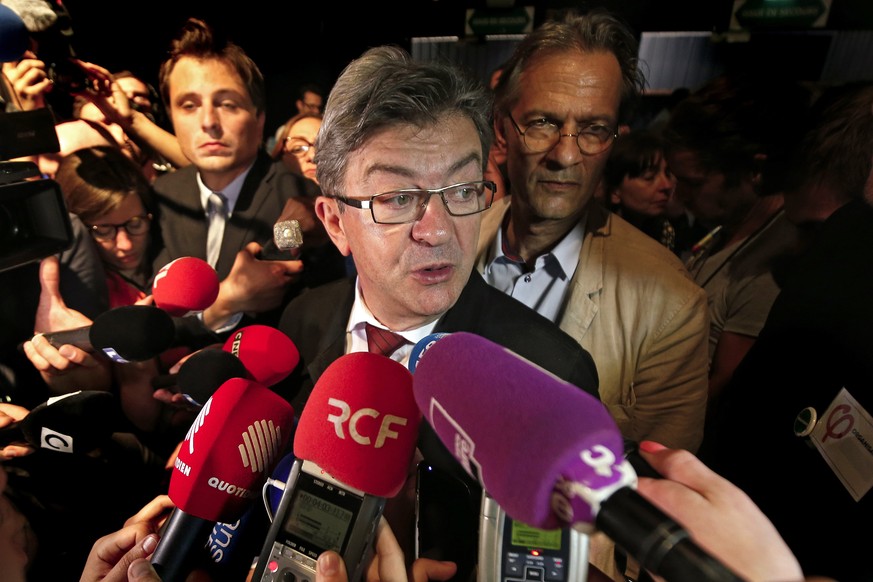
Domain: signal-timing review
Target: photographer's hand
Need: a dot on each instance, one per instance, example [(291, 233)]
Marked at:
[(29, 81), (68, 368)]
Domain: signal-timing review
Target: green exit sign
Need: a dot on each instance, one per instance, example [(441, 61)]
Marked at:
[(482, 21), (751, 14)]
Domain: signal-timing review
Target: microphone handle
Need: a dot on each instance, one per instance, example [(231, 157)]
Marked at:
[(180, 546), (656, 541), (272, 252), (79, 337)]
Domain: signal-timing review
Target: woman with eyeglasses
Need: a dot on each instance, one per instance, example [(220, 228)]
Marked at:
[(295, 144), (112, 197)]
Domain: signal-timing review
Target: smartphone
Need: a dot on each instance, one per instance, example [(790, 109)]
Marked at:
[(447, 520), (318, 513), (510, 550)]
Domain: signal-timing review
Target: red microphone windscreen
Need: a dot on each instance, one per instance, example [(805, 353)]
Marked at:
[(267, 353), (184, 285), (360, 424), (230, 450)]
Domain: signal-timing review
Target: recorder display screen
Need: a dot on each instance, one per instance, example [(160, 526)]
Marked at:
[(530, 537), (319, 516)]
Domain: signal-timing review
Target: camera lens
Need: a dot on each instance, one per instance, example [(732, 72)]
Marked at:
[(67, 77)]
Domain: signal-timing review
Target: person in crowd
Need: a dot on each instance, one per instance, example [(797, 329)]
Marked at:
[(114, 199), (401, 154), (727, 145), (803, 390), (295, 144), (624, 297), (553, 247), (639, 185), (126, 92), (310, 99), (40, 489), (215, 96)]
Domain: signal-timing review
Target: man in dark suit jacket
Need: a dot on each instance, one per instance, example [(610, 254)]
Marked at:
[(402, 151), (216, 98)]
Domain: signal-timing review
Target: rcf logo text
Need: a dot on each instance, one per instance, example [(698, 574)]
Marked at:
[(346, 414)]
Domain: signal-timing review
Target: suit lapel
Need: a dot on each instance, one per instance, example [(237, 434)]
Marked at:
[(238, 230)]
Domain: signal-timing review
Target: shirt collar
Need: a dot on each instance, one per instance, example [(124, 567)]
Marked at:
[(230, 192), (566, 252), (362, 315)]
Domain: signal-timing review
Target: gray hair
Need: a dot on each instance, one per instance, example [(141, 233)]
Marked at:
[(595, 31), (384, 88)]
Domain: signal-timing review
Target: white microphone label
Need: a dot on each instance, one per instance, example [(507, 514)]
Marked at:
[(844, 437), (55, 441)]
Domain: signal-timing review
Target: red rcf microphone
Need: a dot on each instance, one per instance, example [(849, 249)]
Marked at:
[(549, 453), (230, 450), (267, 353), (353, 447), (185, 285)]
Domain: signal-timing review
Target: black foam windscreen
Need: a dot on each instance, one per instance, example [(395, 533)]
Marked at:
[(133, 333), (204, 373)]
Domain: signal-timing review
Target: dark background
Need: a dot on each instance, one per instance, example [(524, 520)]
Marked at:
[(312, 40)]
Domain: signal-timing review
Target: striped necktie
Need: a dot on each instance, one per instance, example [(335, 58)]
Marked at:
[(382, 341), (216, 214)]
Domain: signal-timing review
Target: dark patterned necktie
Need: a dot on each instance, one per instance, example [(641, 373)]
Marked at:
[(381, 341)]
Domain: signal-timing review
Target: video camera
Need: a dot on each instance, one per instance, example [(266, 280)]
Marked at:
[(34, 222), (54, 47)]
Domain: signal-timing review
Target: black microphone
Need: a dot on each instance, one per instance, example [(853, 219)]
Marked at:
[(202, 374), (78, 422), (132, 333)]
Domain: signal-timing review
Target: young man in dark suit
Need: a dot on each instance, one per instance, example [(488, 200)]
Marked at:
[(401, 155), (215, 96)]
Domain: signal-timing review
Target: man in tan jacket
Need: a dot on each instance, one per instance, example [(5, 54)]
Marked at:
[(551, 244)]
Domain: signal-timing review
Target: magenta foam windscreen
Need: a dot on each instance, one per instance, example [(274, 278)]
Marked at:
[(515, 427), (360, 424)]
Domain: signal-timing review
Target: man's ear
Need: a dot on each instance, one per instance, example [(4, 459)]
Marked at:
[(614, 198), (499, 136), (759, 160), (327, 210)]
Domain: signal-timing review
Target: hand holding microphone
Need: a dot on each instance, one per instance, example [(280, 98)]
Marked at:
[(353, 446), (73, 423), (574, 471), (228, 453), (285, 244)]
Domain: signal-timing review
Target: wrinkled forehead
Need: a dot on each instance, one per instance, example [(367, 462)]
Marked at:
[(423, 156)]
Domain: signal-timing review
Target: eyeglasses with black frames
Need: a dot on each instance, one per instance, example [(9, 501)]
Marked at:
[(408, 205), (136, 226), (542, 134), (298, 146)]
